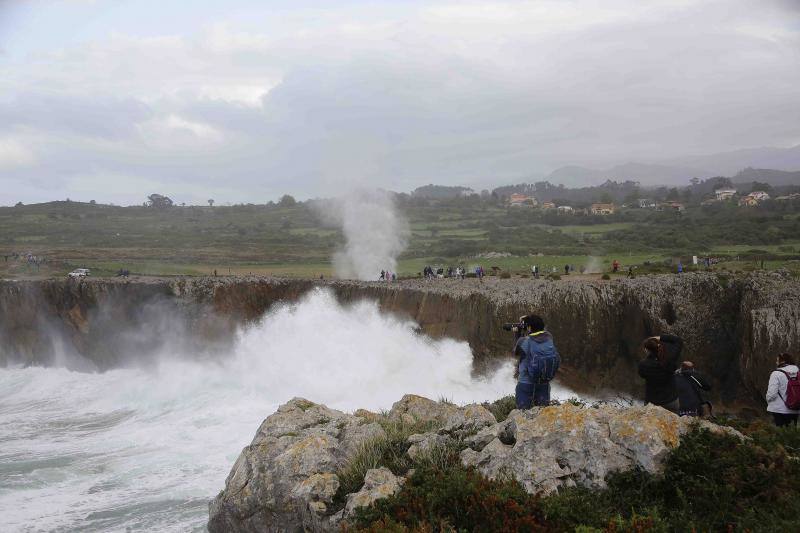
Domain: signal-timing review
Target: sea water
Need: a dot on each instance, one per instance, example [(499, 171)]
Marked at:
[(147, 448)]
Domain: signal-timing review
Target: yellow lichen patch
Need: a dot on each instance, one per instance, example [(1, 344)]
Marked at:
[(308, 447), (645, 425), (569, 417), (472, 410)]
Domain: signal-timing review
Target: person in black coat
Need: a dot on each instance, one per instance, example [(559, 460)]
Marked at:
[(691, 386), (658, 371)]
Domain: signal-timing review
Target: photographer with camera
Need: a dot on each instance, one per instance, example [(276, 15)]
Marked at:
[(538, 361)]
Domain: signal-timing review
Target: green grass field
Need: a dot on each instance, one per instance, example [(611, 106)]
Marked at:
[(292, 241)]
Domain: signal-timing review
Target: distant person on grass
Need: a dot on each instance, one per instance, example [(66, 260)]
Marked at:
[(783, 391), (691, 386), (658, 368), (538, 363)]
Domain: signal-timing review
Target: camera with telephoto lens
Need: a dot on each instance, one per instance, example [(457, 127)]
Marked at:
[(519, 328)]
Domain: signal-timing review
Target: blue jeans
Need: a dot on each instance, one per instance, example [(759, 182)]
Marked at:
[(528, 394)]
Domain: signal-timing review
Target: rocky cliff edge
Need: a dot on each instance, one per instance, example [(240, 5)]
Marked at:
[(298, 472)]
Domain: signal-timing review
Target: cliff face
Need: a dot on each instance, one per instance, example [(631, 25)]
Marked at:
[(732, 327)]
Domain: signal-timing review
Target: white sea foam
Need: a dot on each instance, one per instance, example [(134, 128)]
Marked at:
[(147, 448)]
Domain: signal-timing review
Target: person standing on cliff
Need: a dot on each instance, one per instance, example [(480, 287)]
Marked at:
[(779, 400), (658, 369), (538, 363)]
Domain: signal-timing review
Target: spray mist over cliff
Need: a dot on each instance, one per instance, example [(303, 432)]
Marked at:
[(375, 232)]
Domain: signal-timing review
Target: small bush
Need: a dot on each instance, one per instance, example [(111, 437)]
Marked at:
[(453, 499), (505, 274), (500, 408), (711, 482), (605, 277), (553, 277)]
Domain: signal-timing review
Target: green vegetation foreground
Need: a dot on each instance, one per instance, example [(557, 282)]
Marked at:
[(711, 482)]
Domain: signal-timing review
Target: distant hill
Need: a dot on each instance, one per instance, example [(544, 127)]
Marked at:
[(678, 171), (776, 178), (729, 163), (646, 174), (575, 176)]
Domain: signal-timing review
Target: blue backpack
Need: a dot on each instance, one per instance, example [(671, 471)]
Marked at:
[(542, 357)]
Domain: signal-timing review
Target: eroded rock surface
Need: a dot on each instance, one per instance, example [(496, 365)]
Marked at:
[(287, 478), (567, 445), (378, 483)]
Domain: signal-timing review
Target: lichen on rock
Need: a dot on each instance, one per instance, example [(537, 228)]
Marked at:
[(563, 446), (288, 478)]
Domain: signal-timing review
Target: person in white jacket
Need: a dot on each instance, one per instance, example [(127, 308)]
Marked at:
[(776, 391)]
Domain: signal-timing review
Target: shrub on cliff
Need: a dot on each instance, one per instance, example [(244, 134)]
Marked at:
[(711, 482), (500, 408), (453, 499), (387, 450)]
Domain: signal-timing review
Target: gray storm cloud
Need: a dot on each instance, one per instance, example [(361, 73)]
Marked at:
[(478, 93)]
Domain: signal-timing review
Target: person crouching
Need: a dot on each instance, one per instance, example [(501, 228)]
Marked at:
[(691, 386)]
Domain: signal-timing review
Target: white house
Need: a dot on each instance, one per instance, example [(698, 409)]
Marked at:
[(724, 194)]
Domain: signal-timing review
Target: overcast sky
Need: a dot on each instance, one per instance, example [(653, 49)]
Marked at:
[(244, 101)]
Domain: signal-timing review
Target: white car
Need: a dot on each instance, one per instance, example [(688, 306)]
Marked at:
[(79, 273)]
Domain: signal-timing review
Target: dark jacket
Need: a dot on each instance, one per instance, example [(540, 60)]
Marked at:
[(659, 375), (691, 385)]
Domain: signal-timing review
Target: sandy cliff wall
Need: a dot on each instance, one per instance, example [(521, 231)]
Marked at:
[(732, 327)]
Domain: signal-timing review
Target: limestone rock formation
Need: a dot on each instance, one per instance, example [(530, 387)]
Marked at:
[(567, 445), (378, 483), (451, 418), (287, 479)]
